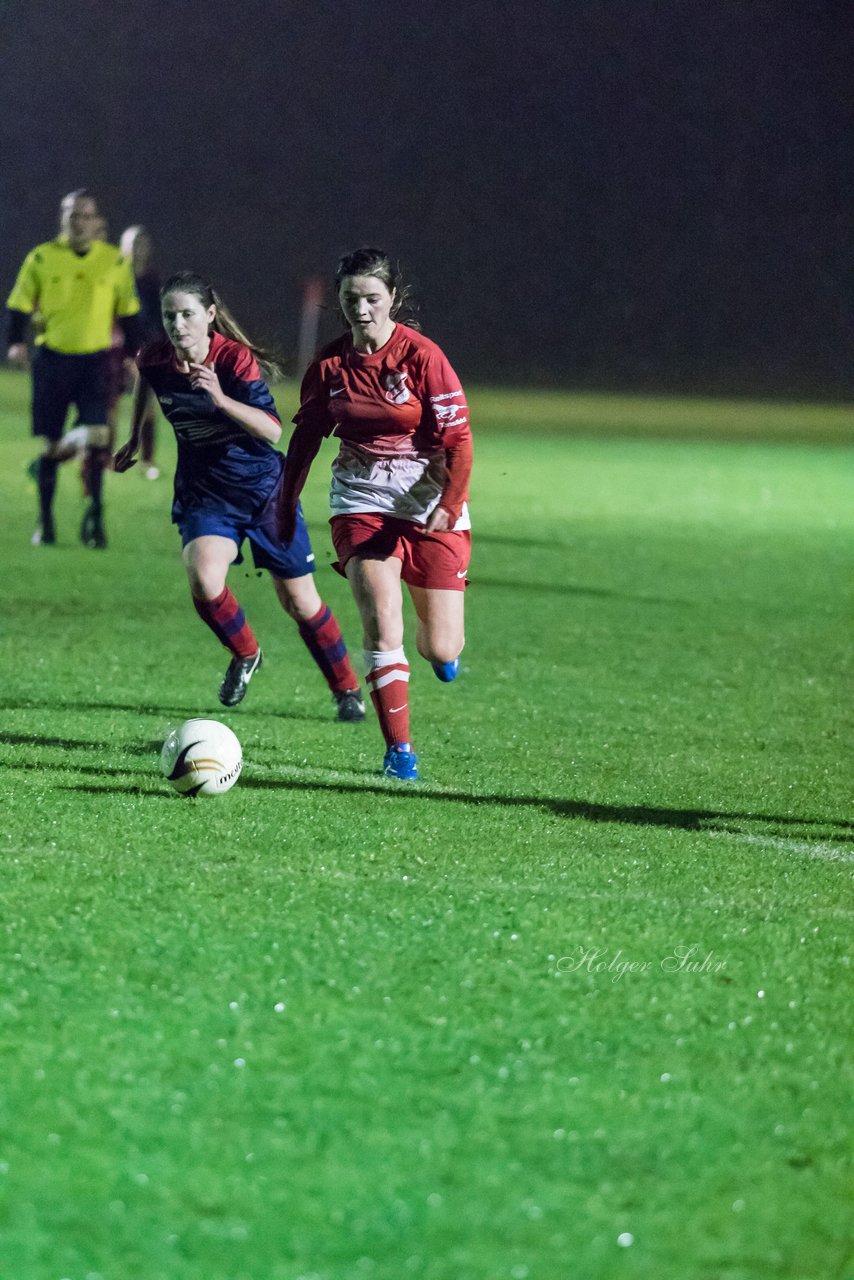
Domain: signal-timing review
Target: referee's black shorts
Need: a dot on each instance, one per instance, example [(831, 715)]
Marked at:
[(60, 381)]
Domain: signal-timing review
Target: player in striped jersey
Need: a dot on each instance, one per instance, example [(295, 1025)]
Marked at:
[(399, 485), (206, 376)]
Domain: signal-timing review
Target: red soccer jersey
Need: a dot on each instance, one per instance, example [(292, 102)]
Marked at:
[(401, 398), (404, 404)]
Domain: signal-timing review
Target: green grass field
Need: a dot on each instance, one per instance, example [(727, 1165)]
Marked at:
[(577, 1006)]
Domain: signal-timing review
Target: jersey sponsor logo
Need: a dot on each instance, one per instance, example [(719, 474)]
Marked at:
[(197, 429), (447, 414), (448, 395), (397, 392)]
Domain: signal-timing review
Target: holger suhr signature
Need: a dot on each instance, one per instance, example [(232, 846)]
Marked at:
[(599, 960)]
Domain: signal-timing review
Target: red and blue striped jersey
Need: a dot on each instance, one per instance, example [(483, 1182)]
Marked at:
[(221, 467)]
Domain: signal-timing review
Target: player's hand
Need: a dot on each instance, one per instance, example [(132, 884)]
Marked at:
[(18, 355), (125, 458), (439, 522), (203, 378)]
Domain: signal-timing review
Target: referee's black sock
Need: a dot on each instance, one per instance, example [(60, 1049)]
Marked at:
[(93, 464), (47, 487)]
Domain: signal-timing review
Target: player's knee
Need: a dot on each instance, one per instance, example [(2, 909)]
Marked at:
[(206, 581), (445, 647), (295, 609), (298, 597), (384, 631)]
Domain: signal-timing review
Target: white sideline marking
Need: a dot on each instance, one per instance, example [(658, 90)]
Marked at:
[(827, 852)]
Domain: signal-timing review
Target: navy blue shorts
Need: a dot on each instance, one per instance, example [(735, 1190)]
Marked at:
[(60, 381), (284, 559)]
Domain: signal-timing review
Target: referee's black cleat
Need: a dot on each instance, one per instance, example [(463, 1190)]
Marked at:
[(92, 529), (44, 534), (240, 672), (351, 708)]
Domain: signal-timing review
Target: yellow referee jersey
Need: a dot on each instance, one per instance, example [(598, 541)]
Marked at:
[(76, 296)]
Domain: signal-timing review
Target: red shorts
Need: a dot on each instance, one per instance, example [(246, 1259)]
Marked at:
[(437, 561)]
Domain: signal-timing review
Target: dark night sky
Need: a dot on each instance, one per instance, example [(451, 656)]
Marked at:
[(614, 193)]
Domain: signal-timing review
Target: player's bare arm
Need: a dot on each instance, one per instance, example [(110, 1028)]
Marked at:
[(143, 397)]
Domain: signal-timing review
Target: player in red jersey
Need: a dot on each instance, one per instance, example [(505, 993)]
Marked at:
[(206, 376), (399, 485)]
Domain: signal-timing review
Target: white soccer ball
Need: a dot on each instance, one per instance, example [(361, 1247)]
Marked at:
[(201, 758)]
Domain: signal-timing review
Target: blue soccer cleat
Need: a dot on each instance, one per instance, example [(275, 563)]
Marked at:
[(401, 762), (447, 671)]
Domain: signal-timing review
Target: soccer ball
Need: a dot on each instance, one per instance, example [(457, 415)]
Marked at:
[(201, 758)]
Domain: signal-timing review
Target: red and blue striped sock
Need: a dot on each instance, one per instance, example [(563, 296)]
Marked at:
[(322, 637), (227, 621)]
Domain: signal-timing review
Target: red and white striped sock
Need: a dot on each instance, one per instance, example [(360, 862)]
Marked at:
[(388, 684)]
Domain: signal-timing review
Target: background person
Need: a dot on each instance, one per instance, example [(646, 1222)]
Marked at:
[(137, 245), (117, 382), (77, 285), (399, 485), (207, 378)]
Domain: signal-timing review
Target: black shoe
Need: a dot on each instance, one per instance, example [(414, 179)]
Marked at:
[(240, 672), (45, 534), (351, 708), (92, 529)]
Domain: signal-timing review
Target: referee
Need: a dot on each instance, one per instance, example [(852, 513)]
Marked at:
[(73, 288)]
